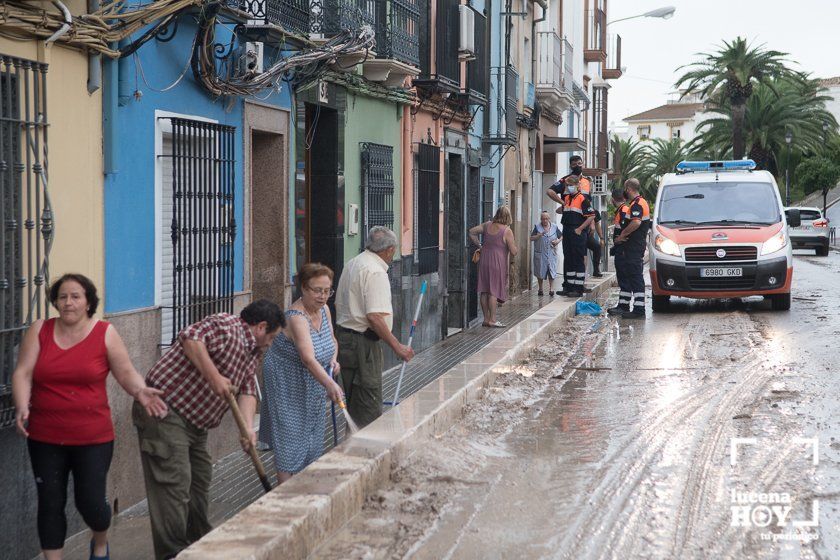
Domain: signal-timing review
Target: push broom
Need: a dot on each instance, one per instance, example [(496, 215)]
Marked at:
[(396, 400)]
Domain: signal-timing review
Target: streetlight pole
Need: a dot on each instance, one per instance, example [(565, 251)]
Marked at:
[(664, 13), (788, 140), (825, 128)]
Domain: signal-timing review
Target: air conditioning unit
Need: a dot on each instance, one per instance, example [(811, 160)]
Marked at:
[(253, 59), (466, 46)]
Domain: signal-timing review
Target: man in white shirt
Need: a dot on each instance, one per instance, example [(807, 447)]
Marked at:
[(365, 316)]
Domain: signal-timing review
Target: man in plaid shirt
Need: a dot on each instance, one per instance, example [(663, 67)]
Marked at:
[(210, 358)]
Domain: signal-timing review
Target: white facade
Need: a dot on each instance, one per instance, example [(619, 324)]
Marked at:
[(678, 118), (833, 86)]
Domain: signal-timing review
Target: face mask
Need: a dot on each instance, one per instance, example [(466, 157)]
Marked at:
[(577, 170), (571, 189)]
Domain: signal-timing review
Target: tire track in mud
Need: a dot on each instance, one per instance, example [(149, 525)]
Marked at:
[(624, 469)]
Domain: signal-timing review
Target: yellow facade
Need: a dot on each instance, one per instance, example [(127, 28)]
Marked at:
[(74, 158)]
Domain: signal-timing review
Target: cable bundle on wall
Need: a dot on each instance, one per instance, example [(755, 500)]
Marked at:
[(228, 78), (97, 31)]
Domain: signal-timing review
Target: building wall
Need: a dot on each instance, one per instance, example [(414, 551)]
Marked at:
[(75, 188), (380, 122)]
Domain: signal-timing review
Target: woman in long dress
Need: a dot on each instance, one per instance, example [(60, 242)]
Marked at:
[(493, 265), (297, 382), (546, 237)]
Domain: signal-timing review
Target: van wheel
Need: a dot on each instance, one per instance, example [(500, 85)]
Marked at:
[(780, 302), (660, 304), (822, 251)]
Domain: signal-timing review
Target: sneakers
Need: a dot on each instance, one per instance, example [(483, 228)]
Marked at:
[(618, 310), (633, 314), (597, 274)]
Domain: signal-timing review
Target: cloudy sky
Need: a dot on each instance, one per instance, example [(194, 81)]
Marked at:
[(652, 49)]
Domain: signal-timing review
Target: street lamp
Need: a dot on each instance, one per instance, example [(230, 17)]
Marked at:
[(825, 128), (663, 13), (788, 140)]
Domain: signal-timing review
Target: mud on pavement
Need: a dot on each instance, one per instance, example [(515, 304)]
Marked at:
[(398, 518)]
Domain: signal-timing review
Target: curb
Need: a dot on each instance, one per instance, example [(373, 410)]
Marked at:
[(293, 519)]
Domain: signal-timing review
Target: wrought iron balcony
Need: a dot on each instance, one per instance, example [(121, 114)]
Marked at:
[(397, 28), (330, 17), (444, 72), (504, 84), (291, 15), (478, 69), (595, 36), (554, 72), (612, 68)]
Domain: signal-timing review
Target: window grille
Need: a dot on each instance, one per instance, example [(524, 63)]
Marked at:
[(487, 199), (428, 208), (200, 225), (377, 186), (26, 212)]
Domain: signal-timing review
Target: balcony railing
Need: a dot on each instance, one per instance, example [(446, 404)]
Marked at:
[(291, 15), (550, 60), (612, 68), (397, 30), (504, 85), (478, 69), (445, 32), (595, 36), (554, 72), (330, 17)]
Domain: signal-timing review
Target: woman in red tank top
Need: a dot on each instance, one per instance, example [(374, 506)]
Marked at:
[(59, 388)]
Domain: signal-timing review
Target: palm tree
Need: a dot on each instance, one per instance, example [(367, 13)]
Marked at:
[(795, 103), (732, 74), (629, 157), (662, 157)]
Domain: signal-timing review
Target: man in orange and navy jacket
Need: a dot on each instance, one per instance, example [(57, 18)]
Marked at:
[(577, 217), (633, 240), (556, 191), (617, 251)]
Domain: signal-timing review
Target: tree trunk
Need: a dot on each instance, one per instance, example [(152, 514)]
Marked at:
[(739, 109)]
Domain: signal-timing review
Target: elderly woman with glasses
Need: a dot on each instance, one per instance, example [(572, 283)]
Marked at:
[(297, 376)]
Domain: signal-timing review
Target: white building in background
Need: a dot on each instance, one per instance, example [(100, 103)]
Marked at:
[(833, 86), (678, 118)]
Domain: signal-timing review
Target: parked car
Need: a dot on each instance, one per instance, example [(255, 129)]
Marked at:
[(719, 231), (812, 232)]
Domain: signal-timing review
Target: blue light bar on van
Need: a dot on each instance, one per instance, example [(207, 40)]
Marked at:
[(729, 165)]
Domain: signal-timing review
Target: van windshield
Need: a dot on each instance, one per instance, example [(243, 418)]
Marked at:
[(718, 203)]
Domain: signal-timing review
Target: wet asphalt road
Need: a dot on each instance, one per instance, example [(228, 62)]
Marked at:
[(629, 453)]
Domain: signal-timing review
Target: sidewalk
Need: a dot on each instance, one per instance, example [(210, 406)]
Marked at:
[(235, 485)]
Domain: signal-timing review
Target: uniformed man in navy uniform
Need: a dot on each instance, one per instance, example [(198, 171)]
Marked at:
[(633, 239), (577, 217), (617, 251), (556, 191)]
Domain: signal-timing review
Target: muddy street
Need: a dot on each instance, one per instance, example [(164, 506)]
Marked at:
[(707, 432)]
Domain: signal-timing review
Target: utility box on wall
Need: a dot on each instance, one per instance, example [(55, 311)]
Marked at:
[(352, 219)]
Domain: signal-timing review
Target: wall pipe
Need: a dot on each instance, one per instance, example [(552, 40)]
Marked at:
[(123, 76), (94, 59), (65, 27)]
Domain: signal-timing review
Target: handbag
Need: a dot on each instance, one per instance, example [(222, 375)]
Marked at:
[(476, 256)]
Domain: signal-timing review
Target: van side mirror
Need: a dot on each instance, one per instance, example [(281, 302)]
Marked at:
[(793, 218)]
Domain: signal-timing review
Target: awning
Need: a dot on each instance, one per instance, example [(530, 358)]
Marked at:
[(555, 144)]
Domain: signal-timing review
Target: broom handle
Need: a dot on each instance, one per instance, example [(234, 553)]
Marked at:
[(410, 340), (252, 451)]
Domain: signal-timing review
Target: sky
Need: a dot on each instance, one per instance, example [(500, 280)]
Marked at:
[(652, 49)]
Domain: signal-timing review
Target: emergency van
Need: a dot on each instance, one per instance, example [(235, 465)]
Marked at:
[(719, 230)]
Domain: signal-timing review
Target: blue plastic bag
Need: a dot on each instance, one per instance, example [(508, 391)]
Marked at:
[(583, 307)]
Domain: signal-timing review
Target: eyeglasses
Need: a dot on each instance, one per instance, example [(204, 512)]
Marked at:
[(329, 292)]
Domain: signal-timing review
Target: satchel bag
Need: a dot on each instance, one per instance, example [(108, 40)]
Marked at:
[(476, 255)]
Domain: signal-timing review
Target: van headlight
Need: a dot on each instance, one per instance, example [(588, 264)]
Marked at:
[(775, 243), (667, 246)]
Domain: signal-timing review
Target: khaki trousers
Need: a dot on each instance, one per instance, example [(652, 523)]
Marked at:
[(177, 471), (361, 375)]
